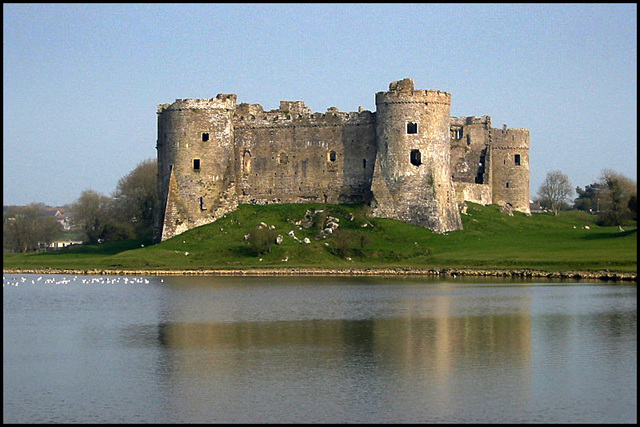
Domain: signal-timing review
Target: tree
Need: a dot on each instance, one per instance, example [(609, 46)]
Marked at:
[(616, 195), (587, 199), (554, 191), (27, 228), (633, 207), (91, 213), (261, 240), (135, 197)]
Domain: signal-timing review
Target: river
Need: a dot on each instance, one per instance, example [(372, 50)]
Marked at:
[(201, 349)]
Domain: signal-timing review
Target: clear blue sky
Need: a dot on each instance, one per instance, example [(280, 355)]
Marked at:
[(82, 81)]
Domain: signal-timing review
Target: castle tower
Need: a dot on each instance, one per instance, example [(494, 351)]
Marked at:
[(510, 168), (196, 166), (412, 177)]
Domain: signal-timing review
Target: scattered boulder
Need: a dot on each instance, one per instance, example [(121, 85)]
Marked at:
[(507, 209)]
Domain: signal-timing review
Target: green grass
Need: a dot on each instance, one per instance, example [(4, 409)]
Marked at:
[(489, 240)]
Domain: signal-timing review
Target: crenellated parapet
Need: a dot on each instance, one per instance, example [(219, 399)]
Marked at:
[(296, 114), (403, 92), (221, 101)]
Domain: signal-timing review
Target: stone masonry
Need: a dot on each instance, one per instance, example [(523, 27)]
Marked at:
[(409, 160)]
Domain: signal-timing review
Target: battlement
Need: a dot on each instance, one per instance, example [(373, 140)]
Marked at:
[(471, 120), (403, 91), (221, 101), (296, 113), (511, 138), (295, 107)]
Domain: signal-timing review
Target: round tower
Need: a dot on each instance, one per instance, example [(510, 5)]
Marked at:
[(412, 178), (196, 167), (510, 168)]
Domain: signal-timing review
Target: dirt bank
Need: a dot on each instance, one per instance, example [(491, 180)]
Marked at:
[(443, 272)]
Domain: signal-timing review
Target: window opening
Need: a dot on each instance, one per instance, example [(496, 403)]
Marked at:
[(205, 136), (412, 127), (364, 163), (332, 156), (416, 157), (517, 159), (283, 159), (507, 185), (202, 207), (196, 164), (246, 162)]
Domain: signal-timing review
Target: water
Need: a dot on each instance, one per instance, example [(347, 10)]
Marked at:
[(91, 349)]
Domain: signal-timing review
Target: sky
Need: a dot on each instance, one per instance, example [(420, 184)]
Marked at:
[(82, 82)]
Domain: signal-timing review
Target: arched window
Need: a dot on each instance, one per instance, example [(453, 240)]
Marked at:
[(246, 162), (332, 156), (416, 157)]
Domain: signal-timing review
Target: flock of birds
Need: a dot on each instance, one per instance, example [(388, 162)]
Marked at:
[(63, 280)]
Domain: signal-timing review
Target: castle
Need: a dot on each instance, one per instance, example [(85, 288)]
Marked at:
[(410, 160)]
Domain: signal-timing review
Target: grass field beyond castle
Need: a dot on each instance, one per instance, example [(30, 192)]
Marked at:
[(489, 240)]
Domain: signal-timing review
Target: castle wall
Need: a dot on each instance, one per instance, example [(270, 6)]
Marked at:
[(412, 180), (470, 139), (410, 160), (476, 193), (195, 146), (510, 168), (290, 157)]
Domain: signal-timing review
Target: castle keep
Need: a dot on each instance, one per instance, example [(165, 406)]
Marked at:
[(410, 160)]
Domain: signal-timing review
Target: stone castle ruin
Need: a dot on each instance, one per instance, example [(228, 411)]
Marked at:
[(410, 160)]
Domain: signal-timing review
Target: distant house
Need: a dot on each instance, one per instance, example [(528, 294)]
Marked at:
[(60, 215), (59, 244)]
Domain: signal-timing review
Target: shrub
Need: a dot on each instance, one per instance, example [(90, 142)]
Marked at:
[(261, 240)]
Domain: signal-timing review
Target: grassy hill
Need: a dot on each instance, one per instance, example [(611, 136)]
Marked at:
[(489, 240)]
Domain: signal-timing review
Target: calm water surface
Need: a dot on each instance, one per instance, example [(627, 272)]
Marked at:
[(111, 349)]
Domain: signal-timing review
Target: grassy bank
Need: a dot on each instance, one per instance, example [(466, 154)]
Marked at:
[(489, 240)]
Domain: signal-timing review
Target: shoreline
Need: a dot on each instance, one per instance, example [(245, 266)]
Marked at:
[(348, 272)]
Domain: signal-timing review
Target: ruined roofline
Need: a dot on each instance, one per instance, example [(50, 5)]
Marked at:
[(221, 101), (401, 90), (471, 120), (290, 111)]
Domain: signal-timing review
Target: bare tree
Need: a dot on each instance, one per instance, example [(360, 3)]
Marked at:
[(28, 227), (555, 190)]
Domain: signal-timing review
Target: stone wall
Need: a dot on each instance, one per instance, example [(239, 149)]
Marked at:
[(290, 157), (510, 170), (412, 181), (196, 150), (410, 160)]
